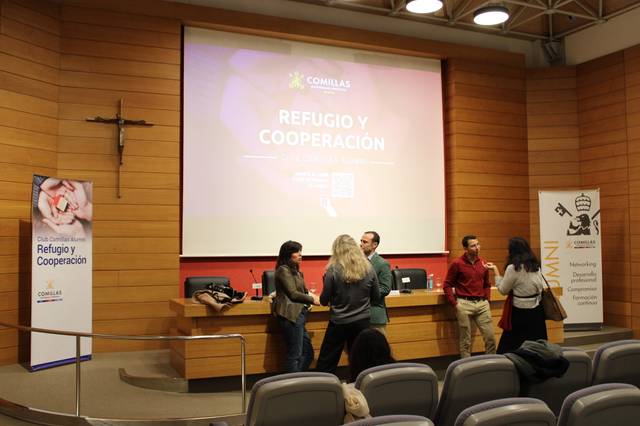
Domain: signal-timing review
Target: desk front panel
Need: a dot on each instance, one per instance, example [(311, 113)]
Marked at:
[(421, 325)]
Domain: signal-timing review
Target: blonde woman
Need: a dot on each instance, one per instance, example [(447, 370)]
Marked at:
[(349, 285)]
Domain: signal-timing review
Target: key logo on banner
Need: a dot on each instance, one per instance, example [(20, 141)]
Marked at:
[(581, 222)]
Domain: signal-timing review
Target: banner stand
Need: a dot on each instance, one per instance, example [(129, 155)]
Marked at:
[(61, 269), (571, 255), (58, 363)]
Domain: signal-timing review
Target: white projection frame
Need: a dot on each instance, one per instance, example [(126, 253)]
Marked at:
[(288, 140)]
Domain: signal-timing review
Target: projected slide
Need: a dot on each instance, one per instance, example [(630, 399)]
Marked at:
[(287, 140)]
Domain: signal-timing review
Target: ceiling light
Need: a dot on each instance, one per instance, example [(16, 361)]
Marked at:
[(491, 15), (423, 6)]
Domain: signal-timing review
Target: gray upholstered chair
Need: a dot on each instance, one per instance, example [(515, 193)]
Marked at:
[(506, 412), (399, 388), (470, 381), (394, 420), (191, 284), (617, 362), (554, 390), (609, 404), (308, 399)]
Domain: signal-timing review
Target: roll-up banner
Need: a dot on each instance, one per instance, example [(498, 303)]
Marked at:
[(570, 247), (61, 265)]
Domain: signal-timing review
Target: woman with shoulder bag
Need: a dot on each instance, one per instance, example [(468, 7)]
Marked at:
[(291, 306), (524, 283)]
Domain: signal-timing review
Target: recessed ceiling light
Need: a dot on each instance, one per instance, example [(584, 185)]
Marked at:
[(491, 15), (423, 6)]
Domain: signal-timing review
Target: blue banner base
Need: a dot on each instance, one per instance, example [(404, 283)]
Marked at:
[(58, 363)]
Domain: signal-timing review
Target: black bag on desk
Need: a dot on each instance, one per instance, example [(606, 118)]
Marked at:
[(232, 296)]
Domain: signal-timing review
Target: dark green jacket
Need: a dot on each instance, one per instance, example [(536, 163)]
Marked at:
[(291, 294), (383, 271)]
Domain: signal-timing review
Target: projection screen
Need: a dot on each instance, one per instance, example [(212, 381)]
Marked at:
[(286, 140)]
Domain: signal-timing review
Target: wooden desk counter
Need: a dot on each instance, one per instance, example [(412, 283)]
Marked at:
[(422, 325)]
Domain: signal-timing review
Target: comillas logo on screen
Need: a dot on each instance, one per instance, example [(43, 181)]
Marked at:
[(299, 81)]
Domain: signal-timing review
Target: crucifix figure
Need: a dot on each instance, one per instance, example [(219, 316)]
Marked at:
[(120, 121)]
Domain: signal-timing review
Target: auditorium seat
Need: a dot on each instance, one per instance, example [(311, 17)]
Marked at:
[(609, 404), (412, 278), (399, 388), (507, 412), (394, 420), (268, 282), (473, 380), (617, 362), (191, 284), (554, 390), (307, 399)]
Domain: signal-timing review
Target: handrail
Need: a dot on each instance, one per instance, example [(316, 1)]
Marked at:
[(79, 334)]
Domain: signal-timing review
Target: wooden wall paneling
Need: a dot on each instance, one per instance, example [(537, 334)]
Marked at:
[(107, 55), (271, 26), (93, 96), (27, 51), (486, 163), (604, 161), (128, 310), (552, 136), (140, 21), (632, 105), (29, 76)]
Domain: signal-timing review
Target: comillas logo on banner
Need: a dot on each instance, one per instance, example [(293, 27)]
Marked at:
[(570, 238), (49, 294), (61, 268)]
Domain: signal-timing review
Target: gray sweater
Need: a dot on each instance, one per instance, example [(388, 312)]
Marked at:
[(349, 302)]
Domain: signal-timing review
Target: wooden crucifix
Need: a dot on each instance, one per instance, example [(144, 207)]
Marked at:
[(120, 121)]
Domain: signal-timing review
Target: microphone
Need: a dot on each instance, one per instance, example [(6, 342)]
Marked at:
[(256, 285), (404, 288)]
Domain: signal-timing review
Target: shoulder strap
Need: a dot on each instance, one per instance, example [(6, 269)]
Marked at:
[(545, 280)]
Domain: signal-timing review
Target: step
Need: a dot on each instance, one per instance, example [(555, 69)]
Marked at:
[(589, 341), (596, 337)]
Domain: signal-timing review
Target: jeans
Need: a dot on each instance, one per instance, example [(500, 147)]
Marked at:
[(298, 342)]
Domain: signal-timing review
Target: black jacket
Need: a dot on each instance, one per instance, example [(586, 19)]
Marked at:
[(537, 361)]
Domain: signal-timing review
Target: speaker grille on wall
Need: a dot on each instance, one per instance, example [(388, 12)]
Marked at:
[(554, 51)]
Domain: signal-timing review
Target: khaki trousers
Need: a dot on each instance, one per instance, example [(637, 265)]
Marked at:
[(480, 313)]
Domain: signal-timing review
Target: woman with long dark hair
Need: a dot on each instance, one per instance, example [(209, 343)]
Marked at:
[(523, 279), (349, 285), (290, 305)]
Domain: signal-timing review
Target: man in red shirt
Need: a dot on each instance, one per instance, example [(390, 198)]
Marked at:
[(469, 276)]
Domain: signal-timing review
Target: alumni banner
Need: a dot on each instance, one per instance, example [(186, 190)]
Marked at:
[(570, 235), (61, 265)]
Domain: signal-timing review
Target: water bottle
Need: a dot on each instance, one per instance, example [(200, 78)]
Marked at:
[(430, 282)]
